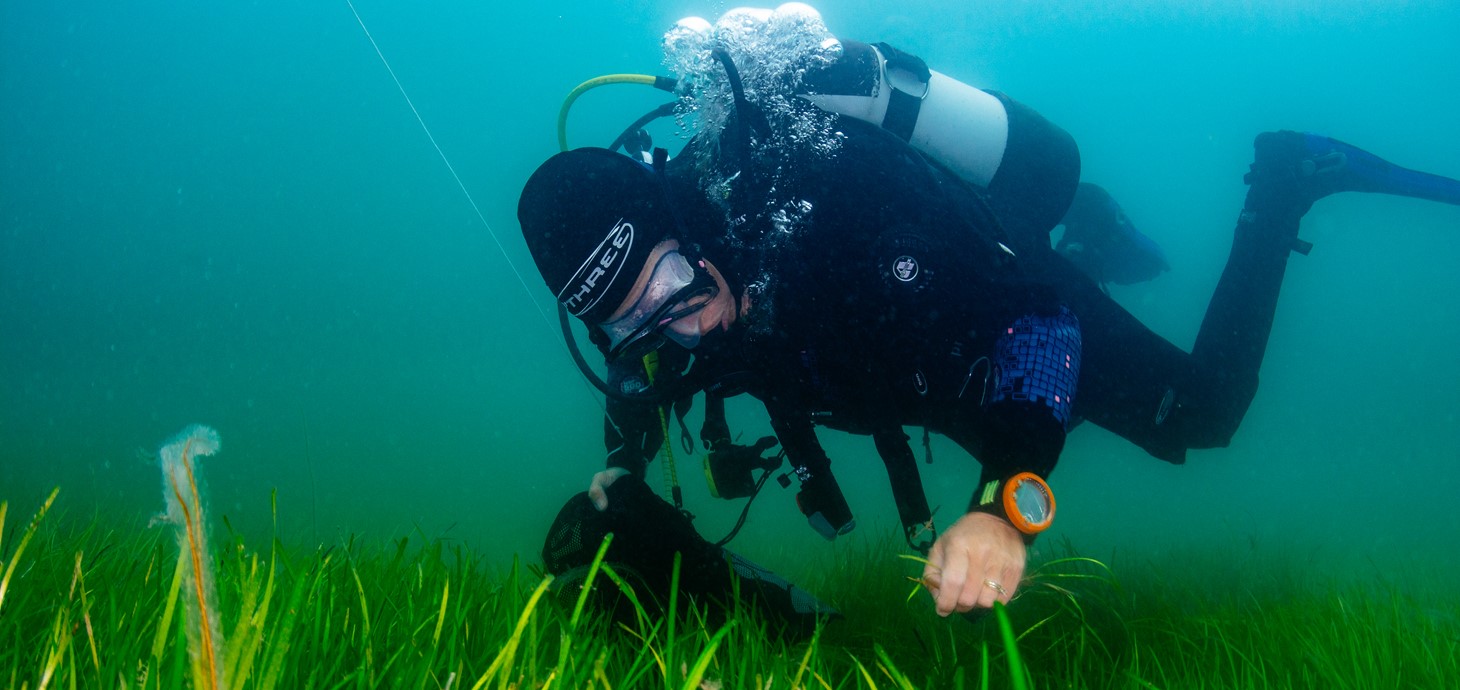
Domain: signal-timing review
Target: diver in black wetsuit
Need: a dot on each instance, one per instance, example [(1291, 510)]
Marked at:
[(875, 288)]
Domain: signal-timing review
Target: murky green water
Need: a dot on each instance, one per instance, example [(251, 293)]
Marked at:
[(226, 214)]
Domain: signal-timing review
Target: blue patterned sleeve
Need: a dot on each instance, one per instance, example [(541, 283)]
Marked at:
[(1038, 359)]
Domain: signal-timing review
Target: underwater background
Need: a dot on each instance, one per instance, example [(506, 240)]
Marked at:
[(225, 213)]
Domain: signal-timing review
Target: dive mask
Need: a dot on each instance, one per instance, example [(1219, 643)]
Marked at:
[(676, 290)]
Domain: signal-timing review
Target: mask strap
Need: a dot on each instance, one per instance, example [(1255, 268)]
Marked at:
[(687, 249)]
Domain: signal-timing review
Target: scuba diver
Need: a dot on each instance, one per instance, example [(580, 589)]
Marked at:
[(901, 276)]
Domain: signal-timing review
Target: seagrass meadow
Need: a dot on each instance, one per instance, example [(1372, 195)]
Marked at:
[(87, 602), (227, 214)]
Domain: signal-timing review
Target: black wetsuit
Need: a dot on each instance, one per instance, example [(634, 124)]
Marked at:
[(836, 337), (879, 291)]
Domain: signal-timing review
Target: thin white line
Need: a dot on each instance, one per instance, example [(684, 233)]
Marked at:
[(552, 329), (480, 216)]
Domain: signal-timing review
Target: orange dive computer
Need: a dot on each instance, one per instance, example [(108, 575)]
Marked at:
[(1023, 499)]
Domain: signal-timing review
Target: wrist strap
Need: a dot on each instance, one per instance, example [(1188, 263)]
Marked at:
[(990, 499)]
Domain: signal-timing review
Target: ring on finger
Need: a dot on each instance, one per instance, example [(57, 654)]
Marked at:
[(996, 587)]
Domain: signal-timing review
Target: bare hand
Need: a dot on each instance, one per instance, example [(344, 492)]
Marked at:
[(597, 489), (977, 561)]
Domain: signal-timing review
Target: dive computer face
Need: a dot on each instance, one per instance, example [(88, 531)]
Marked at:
[(1028, 503)]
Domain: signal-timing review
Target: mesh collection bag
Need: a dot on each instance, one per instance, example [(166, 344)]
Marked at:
[(648, 532)]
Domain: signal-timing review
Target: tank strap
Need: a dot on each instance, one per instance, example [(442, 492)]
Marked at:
[(907, 76)]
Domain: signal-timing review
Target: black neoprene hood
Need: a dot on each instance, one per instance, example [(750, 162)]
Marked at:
[(590, 218)]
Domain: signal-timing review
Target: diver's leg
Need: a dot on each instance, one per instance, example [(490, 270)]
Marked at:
[(1103, 242), (1234, 333), (1130, 376), (1290, 171), (1137, 384), (1316, 166)]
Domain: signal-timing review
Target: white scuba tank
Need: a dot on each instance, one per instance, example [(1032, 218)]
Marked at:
[(1028, 167), (962, 127)]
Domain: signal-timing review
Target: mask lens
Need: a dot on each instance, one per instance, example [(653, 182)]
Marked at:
[(675, 291)]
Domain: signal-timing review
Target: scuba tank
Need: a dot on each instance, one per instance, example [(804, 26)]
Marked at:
[(1028, 166)]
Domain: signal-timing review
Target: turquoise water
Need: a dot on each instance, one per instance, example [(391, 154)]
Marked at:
[(226, 214)]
